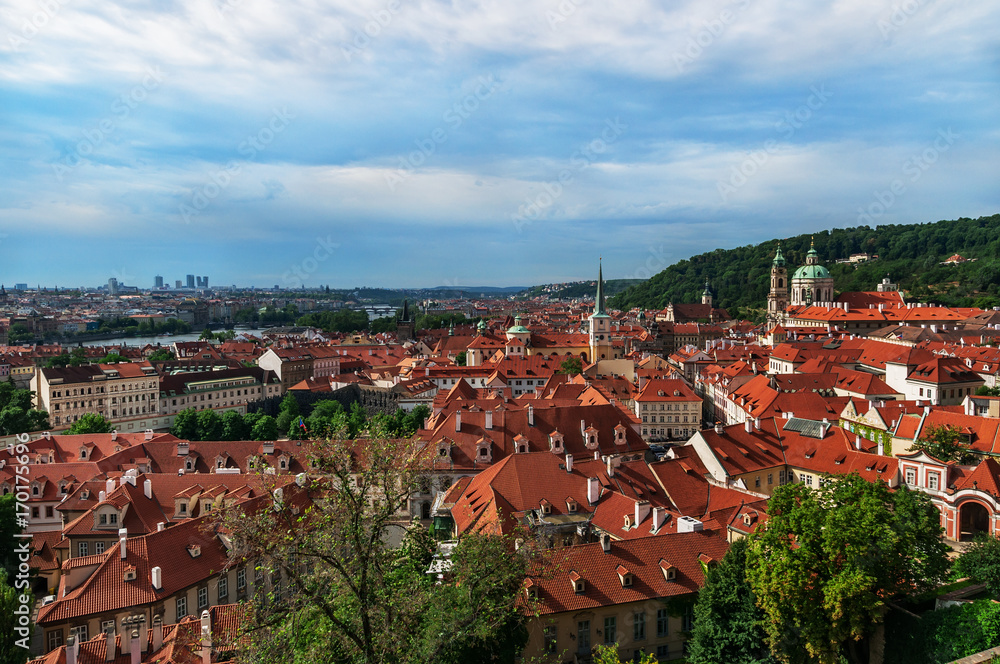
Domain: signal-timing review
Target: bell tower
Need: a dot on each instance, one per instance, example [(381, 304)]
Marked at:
[(777, 298), (600, 324)]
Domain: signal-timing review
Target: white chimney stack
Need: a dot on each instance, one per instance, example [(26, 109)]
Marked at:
[(122, 535), (110, 651), (641, 511), (606, 542), (489, 418), (160, 526), (109, 487), (157, 577), (593, 490), (206, 638), (101, 495), (458, 421), (659, 516), (857, 441), (147, 488), (748, 425), (531, 416), (72, 650), (157, 633), (569, 463)]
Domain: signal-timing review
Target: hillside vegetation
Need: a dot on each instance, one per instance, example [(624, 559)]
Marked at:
[(910, 255)]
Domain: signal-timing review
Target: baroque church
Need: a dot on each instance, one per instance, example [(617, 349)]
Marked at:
[(811, 284)]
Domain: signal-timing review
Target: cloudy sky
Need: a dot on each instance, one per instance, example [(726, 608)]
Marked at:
[(426, 143)]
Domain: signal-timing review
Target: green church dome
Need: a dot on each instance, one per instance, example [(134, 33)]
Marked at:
[(811, 272)]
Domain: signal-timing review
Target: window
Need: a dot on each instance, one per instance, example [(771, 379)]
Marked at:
[(663, 652), (99, 548), (83, 548), (662, 623), (610, 630), (583, 636), (687, 620), (182, 607), (108, 627), (202, 598), (550, 639), (102, 519), (770, 478), (35, 513), (639, 626), (223, 587), (241, 580), (113, 518), (53, 639), (932, 481), (809, 480), (911, 476), (80, 632)]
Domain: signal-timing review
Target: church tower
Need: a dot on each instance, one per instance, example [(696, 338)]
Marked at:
[(777, 298), (404, 326), (812, 284), (600, 324), (706, 296)]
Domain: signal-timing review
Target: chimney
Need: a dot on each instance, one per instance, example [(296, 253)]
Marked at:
[(135, 655), (182, 448), (593, 490), (157, 578), (147, 488), (606, 542), (610, 466), (268, 447), (114, 435), (157, 633), (857, 441), (101, 496), (148, 434), (824, 427), (569, 463), (659, 514), (458, 420), (122, 535), (531, 416), (719, 428), (109, 487), (72, 650), (748, 425), (641, 511), (110, 651), (881, 449), (206, 638), (489, 418), (583, 430)]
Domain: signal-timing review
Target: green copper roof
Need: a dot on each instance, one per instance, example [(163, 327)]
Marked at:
[(517, 328), (779, 260), (811, 272), (599, 300)]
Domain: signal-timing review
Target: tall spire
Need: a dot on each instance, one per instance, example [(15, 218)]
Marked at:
[(779, 260), (599, 300)]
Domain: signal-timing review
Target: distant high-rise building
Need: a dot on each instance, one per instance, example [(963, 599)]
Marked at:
[(190, 281), (112, 286), (204, 281), (177, 284), (158, 282), (21, 287)]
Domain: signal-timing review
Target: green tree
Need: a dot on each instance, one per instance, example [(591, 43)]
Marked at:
[(206, 335), (161, 355), (266, 428), (209, 425), (358, 599), (608, 654), (947, 444), (234, 426), (186, 424), (727, 621), (8, 534), (10, 601), (828, 559), (90, 423), (460, 359), (113, 358), (981, 562), (572, 365)]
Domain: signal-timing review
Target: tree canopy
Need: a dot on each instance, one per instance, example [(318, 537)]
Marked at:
[(90, 423), (828, 559), (947, 444)]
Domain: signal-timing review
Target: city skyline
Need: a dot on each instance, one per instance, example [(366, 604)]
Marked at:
[(397, 145)]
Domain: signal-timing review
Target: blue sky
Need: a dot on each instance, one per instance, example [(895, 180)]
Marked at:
[(423, 143)]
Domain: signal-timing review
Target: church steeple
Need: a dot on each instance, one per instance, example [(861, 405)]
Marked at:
[(599, 300)]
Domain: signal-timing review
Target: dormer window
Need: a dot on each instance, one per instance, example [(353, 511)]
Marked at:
[(624, 576), (556, 442), (669, 571), (194, 550), (571, 506), (546, 507), (182, 508), (628, 522), (579, 585), (188, 464), (129, 573)]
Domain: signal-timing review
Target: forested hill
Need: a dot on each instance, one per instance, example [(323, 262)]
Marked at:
[(910, 255)]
